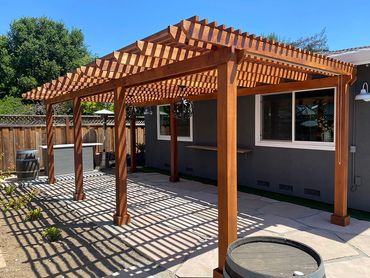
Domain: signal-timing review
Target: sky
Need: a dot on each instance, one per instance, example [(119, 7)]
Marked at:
[(110, 25)]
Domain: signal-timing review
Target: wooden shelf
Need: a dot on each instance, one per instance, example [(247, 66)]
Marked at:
[(213, 148)]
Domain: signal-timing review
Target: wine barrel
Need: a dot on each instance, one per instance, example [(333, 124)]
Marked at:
[(272, 257), (27, 164)]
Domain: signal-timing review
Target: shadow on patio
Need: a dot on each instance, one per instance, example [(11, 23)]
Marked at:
[(174, 227)]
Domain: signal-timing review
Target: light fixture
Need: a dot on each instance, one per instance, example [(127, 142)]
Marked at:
[(364, 93), (183, 109), (148, 111)]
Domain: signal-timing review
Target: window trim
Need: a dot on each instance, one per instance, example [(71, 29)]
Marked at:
[(168, 137), (292, 144)]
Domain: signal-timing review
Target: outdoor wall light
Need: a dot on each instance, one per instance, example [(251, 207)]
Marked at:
[(364, 93)]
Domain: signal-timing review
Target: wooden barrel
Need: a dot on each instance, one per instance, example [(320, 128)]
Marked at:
[(27, 164), (272, 257)]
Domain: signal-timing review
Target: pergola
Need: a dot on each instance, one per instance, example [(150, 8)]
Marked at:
[(199, 60)]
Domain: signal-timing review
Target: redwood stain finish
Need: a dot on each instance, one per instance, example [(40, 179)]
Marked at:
[(226, 158), (77, 132), (50, 143), (174, 156), (133, 143), (340, 215), (121, 217)]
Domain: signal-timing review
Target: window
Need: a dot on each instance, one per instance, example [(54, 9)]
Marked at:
[(184, 128), (302, 119)]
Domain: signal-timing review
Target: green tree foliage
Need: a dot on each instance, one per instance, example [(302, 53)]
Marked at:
[(317, 42), (89, 108), (13, 106), (37, 50)]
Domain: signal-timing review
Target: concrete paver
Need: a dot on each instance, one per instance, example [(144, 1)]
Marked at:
[(175, 224)]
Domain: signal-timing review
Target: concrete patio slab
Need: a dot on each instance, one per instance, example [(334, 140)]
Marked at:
[(287, 210), (355, 268), (327, 244), (360, 242), (174, 225), (320, 220)]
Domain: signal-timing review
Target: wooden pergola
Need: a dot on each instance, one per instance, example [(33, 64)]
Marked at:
[(199, 60)]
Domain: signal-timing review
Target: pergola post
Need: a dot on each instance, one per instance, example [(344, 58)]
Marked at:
[(173, 145), (121, 216), (226, 158), (133, 142), (77, 132), (50, 143), (340, 215)]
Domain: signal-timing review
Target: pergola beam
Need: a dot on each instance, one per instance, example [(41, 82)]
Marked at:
[(194, 65)]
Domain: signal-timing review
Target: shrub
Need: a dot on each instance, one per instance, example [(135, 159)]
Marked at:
[(9, 189), (52, 233), (34, 214)]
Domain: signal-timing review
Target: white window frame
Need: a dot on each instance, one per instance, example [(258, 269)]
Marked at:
[(168, 137), (293, 144)]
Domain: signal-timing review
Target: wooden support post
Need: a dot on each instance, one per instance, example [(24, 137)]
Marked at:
[(50, 143), (174, 161), (77, 131), (121, 216), (340, 216), (226, 158), (133, 142)]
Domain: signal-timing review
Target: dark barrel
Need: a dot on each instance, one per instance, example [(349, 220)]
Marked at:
[(27, 164), (270, 257)]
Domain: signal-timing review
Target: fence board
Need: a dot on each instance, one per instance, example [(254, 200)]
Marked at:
[(17, 136)]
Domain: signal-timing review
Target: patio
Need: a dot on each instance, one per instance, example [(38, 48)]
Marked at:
[(173, 231)]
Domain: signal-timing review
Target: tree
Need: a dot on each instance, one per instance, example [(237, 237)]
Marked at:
[(317, 42), (37, 50), (13, 106)]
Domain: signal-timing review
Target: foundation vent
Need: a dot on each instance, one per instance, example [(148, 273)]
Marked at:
[(285, 187), (312, 192), (263, 183), (166, 165), (189, 169)]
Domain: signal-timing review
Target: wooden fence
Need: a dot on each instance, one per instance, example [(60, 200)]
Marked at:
[(29, 132)]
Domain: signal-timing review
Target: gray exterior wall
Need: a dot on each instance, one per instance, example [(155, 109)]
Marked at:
[(306, 172)]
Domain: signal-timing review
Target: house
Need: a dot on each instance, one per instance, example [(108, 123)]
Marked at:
[(290, 137)]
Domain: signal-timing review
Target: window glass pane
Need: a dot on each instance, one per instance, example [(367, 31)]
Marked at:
[(314, 115), (164, 120), (277, 117), (183, 127)]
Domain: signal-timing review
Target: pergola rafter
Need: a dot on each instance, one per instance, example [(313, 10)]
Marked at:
[(199, 60)]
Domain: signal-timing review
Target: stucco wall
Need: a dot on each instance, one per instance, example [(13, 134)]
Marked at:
[(298, 172), (359, 196)]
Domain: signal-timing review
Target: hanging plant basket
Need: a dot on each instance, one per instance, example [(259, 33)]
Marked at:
[(183, 109)]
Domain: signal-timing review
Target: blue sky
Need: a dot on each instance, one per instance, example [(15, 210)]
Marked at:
[(110, 25)]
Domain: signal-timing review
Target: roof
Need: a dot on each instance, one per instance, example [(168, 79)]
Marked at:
[(181, 61), (356, 55)]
